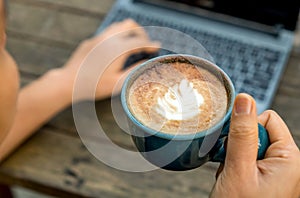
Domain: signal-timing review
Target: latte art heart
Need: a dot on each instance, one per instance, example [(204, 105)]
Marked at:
[(181, 102)]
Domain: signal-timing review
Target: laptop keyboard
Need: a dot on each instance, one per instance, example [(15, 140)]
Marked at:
[(250, 67)]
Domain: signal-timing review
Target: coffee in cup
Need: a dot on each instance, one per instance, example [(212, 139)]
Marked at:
[(178, 109), (178, 98)]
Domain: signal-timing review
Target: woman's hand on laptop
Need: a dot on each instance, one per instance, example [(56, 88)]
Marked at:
[(108, 52)]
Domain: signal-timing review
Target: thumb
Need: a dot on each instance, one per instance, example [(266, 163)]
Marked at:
[(243, 136)]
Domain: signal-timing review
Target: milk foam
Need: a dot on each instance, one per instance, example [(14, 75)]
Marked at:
[(181, 102), (178, 97)]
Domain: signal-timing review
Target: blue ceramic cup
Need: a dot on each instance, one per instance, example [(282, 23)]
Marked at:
[(184, 151)]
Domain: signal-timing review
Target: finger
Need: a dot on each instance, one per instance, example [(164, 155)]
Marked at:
[(134, 33), (138, 31), (133, 28), (143, 46), (124, 73), (134, 48), (150, 48), (277, 129), (135, 65), (122, 28), (220, 169), (137, 46), (243, 135), (129, 22)]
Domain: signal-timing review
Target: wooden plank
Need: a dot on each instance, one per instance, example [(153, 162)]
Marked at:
[(50, 24), (92, 8), (290, 79), (287, 100), (296, 47), (35, 57), (59, 165), (65, 121), (288, 108)]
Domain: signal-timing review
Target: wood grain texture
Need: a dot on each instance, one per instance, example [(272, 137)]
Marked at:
[(296, 47), (91, 8), (41, 35), (36, 58), (48, 24), (287, 99), (59, 165)]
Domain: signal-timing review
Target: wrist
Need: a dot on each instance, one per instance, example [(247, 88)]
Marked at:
[(64, 79), (59, 83)]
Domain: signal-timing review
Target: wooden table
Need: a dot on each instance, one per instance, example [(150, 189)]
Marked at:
[(42, 34)]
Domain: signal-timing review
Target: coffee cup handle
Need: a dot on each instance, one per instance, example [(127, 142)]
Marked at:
[(220, 151)]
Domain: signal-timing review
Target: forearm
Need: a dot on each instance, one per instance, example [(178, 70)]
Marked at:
[(38, 102)]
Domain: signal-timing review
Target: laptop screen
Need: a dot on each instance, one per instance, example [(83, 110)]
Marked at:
[(269, 12)]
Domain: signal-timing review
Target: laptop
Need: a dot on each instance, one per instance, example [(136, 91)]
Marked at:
[(250, 40)]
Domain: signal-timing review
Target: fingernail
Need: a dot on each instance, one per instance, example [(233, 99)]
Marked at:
[(243, 105)]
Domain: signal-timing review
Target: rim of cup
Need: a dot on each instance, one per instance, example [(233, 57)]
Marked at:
[(229, 88)]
